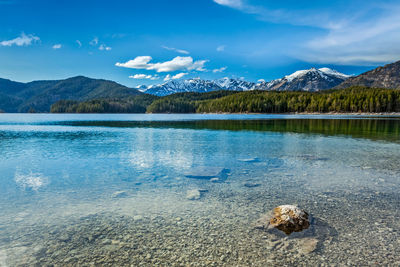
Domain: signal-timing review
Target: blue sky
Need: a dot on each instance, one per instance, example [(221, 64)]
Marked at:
[(149, 41)]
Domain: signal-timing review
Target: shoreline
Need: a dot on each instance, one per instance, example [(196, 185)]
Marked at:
[(298, 113), (394, 114)]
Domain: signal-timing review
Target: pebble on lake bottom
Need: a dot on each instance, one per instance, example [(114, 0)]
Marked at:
[(193, 194)]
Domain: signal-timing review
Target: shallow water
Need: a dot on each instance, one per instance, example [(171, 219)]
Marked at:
[(111, 189)]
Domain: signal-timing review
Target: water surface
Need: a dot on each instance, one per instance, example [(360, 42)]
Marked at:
[(111, 189)]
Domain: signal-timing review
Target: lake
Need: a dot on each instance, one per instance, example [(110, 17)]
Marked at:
[(114, 189)]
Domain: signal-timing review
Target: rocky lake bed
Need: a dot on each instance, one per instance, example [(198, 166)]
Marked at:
[(200, 205), (216, 227)]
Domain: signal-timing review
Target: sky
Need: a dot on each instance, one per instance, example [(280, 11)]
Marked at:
[(152, 41)]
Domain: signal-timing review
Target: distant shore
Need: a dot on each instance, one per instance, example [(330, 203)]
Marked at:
[(303, 113), (392, 114), (350, 113)]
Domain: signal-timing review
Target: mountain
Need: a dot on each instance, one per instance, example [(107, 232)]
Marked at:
[(387, 76), (303, 80), (311, 80), (196, 85), (40, 95)]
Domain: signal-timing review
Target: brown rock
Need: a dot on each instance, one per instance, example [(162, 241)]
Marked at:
[(289, 219)]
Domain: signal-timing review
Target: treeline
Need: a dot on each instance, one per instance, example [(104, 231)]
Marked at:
[(184, 102), (134, 104), (354, 99)]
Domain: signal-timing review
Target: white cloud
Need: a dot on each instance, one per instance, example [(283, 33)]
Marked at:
[(362, 41), (178, 63), (198, 65), (22, 40), (94, 42), (230, 3), (351, 34), (140, 62), (176, 50), (57, 46), (261, 81), (221, 48), (168, 77), (220, 69), (179, 75), (303, 17), (144, 76), (139, 76), (79, 43), (104, 47)]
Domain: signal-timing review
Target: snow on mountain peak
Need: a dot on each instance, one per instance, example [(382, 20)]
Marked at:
[(322, 72), (334, 73), (296, 74), (223, 82), (303, 80)]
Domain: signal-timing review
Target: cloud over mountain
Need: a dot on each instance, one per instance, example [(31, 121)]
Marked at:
[(144, 76), (176, 64)]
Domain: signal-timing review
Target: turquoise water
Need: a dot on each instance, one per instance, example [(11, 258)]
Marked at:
[(112, 189)]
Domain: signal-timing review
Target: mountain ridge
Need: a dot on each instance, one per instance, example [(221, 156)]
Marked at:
[(387, 76), (40, 95), (303, 80)]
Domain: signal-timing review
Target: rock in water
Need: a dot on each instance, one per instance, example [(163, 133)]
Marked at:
[(193, 194), (308, 245), (119, 194), (205, 172), (289, 219), (251, 184)]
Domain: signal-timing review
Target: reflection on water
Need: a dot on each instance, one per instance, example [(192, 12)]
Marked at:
[(113, 189), (31, 181), (380, 129)]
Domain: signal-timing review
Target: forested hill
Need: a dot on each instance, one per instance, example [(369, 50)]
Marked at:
[(354, 99), (38, 96)]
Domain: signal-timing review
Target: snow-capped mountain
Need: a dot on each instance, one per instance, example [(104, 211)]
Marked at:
[(234, 84), (197, 85), (302, 80), (306, 80)]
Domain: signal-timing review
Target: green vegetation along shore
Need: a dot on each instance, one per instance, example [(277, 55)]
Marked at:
[(350, 100)]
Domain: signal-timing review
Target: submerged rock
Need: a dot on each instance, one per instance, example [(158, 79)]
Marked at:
[(205, 172), (119, 194), (287, 218), (308, 245), (214, 180), (193, 194), (251, 184), (137, 217), (313, 158)]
